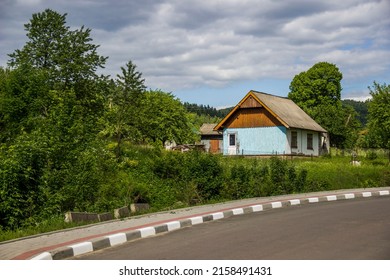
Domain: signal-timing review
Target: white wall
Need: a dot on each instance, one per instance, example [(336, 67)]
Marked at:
[(302, 143)]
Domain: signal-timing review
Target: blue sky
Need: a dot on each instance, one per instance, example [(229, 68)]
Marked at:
[(213, 52)]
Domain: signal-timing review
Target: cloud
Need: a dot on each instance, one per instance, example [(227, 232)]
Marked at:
[(181, 45), (28, 2)]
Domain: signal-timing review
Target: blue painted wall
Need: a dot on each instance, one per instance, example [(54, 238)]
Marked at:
[(256, 140)]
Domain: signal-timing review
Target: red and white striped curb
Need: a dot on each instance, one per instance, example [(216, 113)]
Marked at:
[(120, 238)]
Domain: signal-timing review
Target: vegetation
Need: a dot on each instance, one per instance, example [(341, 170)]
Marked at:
[(63, 127), (169, 180), (379, 116), (71, 140), (361, 108), (318, 92)]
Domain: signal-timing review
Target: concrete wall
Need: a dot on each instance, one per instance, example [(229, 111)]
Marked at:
[(87, 217), (94, 217)]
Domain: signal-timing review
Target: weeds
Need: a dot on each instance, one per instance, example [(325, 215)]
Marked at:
[(168, 180)]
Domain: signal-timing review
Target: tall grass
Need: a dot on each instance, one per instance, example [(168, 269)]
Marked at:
[(168, 180), (49, 225), (339, 173)]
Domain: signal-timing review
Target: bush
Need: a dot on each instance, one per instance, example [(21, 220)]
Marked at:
[(271, 177), (285, 177), (371, 155), (21, 168), (186, 170), (34, 186)]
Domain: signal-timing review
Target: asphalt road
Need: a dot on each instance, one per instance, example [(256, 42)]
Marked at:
[(350, 229)]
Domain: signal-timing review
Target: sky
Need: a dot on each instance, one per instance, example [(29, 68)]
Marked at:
[(213, 52)]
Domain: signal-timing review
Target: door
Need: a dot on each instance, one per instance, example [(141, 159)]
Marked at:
[(214, 146), (232, 147)]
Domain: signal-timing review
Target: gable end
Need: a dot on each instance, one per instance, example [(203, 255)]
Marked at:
[(250, 112)]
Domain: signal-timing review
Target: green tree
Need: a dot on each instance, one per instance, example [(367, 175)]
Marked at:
[(67, 55), (51, 102), (320, 85), (131, 84), (164, 118), (23, 100), (361, 108), (318, 92), (124, 101), (379, 116)]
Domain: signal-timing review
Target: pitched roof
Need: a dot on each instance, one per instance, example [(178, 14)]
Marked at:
[(284, 109), (208, 129)]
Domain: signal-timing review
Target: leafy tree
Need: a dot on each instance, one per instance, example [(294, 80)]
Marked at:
[(23, 100), (340, 121), (379, 116), (361, 108), (320, 85), (67, 56), (164, 118), (318, 92), (50, 103), (124, 101), (131, 84), (21, 168)]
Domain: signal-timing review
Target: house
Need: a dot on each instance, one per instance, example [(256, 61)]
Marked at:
[(210, 138), (264, 124)]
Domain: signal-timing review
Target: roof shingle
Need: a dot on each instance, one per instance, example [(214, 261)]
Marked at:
[(289, 113)]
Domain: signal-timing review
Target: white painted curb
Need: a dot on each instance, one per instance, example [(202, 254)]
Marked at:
[(82, 248), (119, 238), (44, 256), (217, 216), (276, 204), (173, 225), (116, 239), (238, 211), (196, 220), (366, 194), (148, 231), (295, 202), (384, 192), (257, 208), (331, 198)]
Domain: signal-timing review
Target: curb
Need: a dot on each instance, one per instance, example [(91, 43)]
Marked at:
[(120, 238)]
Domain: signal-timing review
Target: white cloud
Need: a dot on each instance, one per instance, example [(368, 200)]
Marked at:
[(358, 64), (29, 2), (188, 44)]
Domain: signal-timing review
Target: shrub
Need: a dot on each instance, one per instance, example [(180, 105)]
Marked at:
[(285, 178), (186, 170), (371, 155)]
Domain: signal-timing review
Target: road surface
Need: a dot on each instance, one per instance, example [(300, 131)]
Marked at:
[(350, 229)]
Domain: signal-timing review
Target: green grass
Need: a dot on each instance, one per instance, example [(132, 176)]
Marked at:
[(339, 173), (50, 225), (170, 180)]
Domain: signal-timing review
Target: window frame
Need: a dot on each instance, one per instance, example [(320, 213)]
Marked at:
[(309, 144), (232, 136), (294, 139)]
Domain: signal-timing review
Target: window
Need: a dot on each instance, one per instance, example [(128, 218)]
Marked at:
[(294, 139), (232, 139), (310, 141)]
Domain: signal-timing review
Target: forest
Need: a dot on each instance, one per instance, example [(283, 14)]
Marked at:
[(74, 140)]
